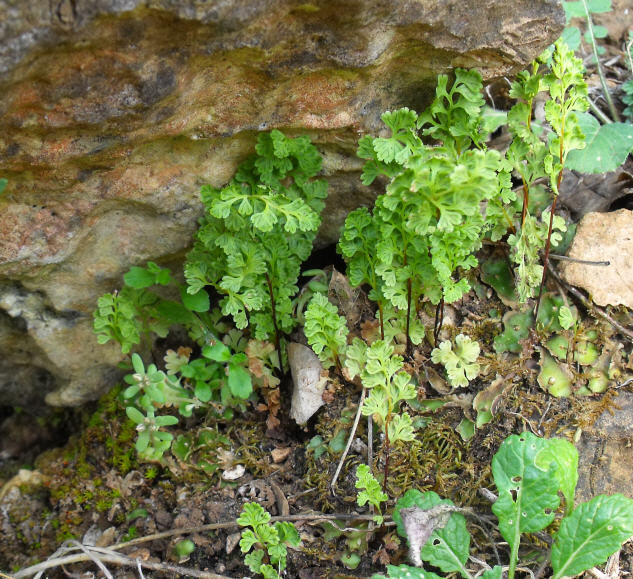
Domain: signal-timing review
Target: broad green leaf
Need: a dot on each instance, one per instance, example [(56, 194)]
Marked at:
[(599, 31), (571, 37), (218, 352), (203, 391), (407, 572), (198, 302), (3, 184), (495, 573), (607, 146), (139, 278), (593, 532), (288, 533), (528, 496), (597, 6), (565, 456), (174, 312)]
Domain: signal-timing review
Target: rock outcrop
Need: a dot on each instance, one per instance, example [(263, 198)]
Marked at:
[(114, 112)]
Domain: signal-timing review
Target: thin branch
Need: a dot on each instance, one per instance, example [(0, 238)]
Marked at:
[(598, 113), (109, 556), (574, 260), (233, 525)]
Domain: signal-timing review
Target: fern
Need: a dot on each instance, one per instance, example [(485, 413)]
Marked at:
[(432, 218), (257, 231)]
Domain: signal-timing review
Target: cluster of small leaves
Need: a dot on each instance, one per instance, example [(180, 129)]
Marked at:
[(268, 558), (370, 491), (529, 473), (326, 331), (135, 312), (460, 363), (257, 231), (218, 381), (567, 89), (533, 159), (380, 371)]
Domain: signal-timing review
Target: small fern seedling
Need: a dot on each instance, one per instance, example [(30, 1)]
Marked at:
[(380, 371), (370, 491), (265, 544), (129, 316), (461, 362), (357, 245)]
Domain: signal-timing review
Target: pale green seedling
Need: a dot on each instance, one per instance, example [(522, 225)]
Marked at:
[(460, 362)]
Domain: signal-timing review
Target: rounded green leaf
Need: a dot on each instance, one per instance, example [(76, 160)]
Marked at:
[(607, 146), (184, 548), (139, 278), (134, 415), (203, 391), (239, 381), (448, 546), (174, 312), (565, 456), (407, 572), (198, 302)]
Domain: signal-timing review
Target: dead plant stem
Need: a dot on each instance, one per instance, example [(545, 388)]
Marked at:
[(349, 441)]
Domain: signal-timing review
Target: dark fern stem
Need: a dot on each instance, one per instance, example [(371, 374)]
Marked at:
[(278, 370), (409, 348), (387, 451), (559, 179), (439, 320)]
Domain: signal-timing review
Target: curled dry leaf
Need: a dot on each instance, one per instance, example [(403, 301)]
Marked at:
[(419, 525)]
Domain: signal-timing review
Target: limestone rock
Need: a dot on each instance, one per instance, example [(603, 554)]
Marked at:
[(114, 112), (604, 237)]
